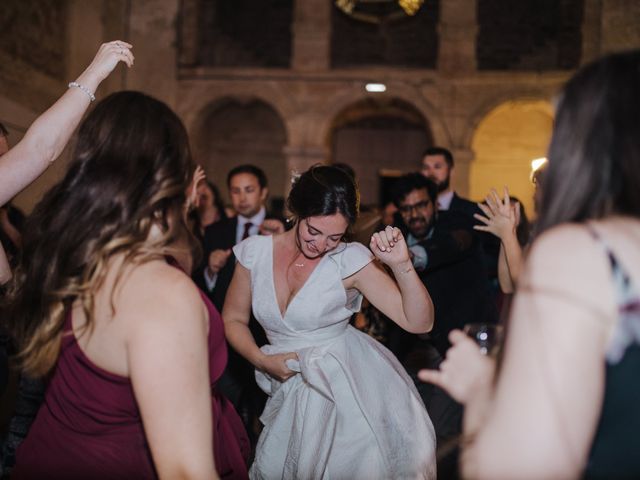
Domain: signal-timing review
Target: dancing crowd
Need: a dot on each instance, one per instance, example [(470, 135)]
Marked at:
[(157, 333)]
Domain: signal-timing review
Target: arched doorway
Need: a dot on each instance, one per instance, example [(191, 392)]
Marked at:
[(232, 132), (505, 142), (380, 139)]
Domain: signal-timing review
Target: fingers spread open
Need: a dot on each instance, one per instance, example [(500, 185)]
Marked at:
[(486, 210)]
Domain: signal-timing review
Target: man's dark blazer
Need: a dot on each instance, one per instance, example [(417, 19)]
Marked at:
[(463, 205), (489, 243), (456, 279), (218, 236)]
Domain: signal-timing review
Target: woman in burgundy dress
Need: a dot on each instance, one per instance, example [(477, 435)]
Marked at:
[(131, 348)]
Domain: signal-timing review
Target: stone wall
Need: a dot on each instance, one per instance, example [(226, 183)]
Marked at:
[(453, 96)]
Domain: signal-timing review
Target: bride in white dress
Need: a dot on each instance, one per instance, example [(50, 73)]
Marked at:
[(340, 405)]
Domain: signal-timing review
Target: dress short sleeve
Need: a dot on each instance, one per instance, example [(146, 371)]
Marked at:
[(248, 250), (352, 257)]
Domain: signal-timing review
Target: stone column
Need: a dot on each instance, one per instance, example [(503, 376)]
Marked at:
[(189, 32), (152, 25), (620, 20), (311, 35), (300, 158), (457, 32), (115, 14), (85, 34), (90, 25), (591, 30), (462, 163)]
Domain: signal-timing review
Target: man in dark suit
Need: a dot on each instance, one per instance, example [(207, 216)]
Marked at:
[(446, 254), (438, 165), (248, 192)]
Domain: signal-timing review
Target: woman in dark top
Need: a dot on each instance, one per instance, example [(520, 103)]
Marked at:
[(566, 402)]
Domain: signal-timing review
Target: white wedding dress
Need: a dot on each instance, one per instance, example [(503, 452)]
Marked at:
[(352, 412)]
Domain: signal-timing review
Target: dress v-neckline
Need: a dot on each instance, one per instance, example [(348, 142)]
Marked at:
[(295, 295)]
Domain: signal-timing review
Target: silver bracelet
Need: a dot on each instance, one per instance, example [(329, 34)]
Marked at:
[(409, 269), (84, 89)]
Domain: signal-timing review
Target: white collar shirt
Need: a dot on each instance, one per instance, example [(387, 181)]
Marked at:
[(444, 200), (256, 221)]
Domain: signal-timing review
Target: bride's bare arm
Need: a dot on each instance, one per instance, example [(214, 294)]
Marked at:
[(236, 313), (406, 301)]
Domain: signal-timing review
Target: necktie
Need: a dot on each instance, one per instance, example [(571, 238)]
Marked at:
[(247, 227)]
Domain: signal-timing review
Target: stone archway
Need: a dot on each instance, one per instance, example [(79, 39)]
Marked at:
[(504, 142), (379, 138), (233, 131)]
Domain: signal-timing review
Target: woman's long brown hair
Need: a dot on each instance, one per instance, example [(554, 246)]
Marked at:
[(129, 171)]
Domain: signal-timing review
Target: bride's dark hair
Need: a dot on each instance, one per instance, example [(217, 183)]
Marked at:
[(324, 190), (129, 171)]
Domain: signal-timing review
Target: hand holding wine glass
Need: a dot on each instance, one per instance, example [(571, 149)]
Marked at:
[(465, 371)]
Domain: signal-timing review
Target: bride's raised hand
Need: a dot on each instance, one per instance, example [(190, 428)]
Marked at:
[(389, 246), (276, 365)]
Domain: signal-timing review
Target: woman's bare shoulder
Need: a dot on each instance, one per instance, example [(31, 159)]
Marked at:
[(569, 262), (567, 255), (568, 244), (158, 290)]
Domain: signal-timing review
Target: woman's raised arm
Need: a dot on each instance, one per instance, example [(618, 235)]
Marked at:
[(49, 134)]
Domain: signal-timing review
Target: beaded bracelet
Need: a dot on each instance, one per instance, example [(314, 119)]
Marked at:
[(92, 97), (409, 269)]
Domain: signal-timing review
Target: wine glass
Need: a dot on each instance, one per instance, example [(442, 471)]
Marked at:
[(488, 336)]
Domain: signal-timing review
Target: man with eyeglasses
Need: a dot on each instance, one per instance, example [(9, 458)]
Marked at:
[(448, 258), (446, 254)]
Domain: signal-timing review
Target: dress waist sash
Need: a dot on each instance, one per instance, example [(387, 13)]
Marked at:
[(313, 338)]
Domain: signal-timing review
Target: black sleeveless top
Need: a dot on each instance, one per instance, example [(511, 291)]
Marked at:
[(615, 452)]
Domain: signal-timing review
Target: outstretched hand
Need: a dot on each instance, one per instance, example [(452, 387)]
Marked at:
[(465, 370), (389, 246), (108, 56), (218, 259), (501, 217)]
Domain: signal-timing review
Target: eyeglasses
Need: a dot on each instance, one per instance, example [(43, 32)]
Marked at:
[(407, 209)]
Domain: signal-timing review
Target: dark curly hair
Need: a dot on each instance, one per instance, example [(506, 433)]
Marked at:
[(324, 190)]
